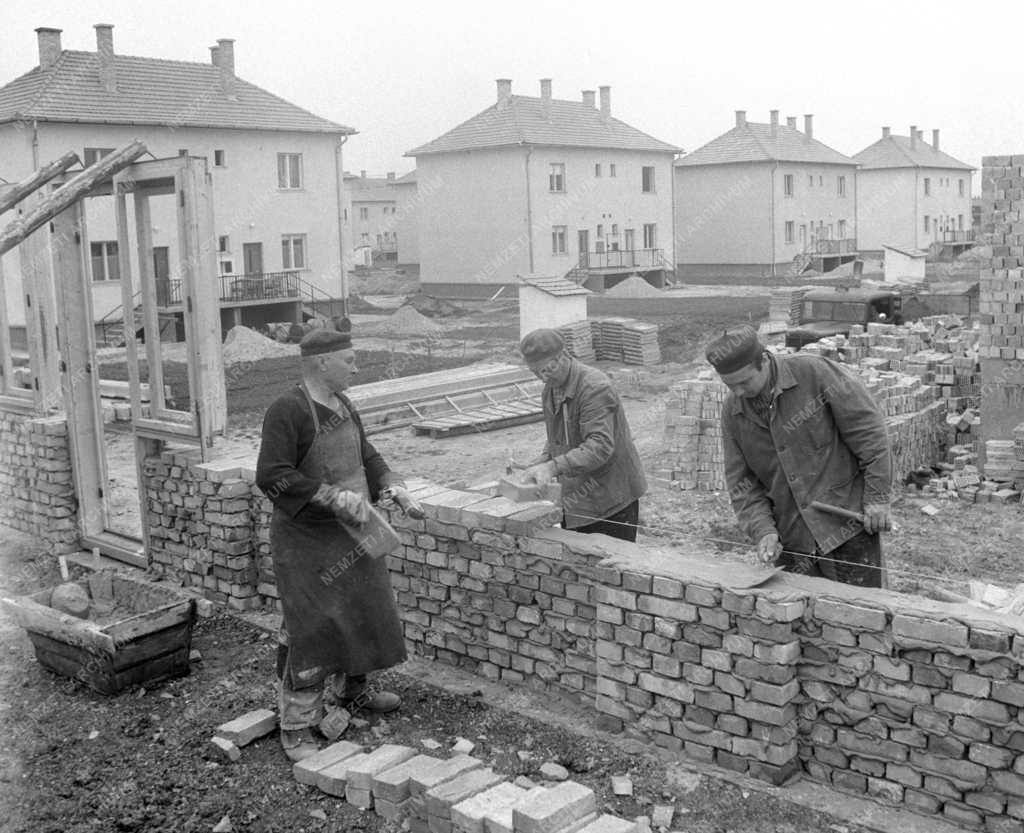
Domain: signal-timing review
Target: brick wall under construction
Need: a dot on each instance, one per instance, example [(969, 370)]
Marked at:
[(910, 701)]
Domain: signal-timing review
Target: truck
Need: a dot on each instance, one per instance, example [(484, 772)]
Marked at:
[(831, 312)]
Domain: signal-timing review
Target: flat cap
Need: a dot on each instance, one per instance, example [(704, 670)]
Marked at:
[(540, 345), (324, 341), (734, 349)]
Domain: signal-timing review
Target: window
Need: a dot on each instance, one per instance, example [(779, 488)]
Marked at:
[(218, 159), (597, 169), (105, 266), (650, 235), (182, 151), (600, 230), (647, 179), (293, 251), (960, 221), (960, 186), (810, 180), (558, 240), (364, 213), (789, 231), (380, 240), (227, 267), (364, 238), (787, 185), (842, 229), (345, 212), (927, 186), (289, 170), (927, 224), (556, 178), (223, 243), (94, 155), (611, 169), (615, 229), (841, 186), (821, 180)]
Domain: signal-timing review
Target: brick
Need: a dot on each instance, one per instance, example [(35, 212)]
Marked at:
[(923, 803), (1009, 782), (952, 634), (333, 778), (971, 685), (616, 598), (361, 774), (958, 771), (247, 728), (667, 587), (673, 689), (777, 695), (441, 798), (770, 631), (225, 748), (849, 615), (785, 653), (1008, 692), (902, 774), (779, 611), (469, 814), (555, 808), (609, 824), (762, 713), (305, 772), (984, 710), (393, 784), (703, 596), (870, 747), (359, 797), (886, 790), (668, 608)]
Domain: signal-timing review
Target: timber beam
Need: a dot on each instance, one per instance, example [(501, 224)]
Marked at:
[(36, 180)]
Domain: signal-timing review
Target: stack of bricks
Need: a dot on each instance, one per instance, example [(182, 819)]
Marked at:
[(579, 340), (784, 308), (37, 492), (460, 794), (704, 670), (201, 525), (693, 434)]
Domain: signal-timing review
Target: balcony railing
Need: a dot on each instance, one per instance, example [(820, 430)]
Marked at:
[(259, 286), (960, 236), (845, 246), (622, 259)]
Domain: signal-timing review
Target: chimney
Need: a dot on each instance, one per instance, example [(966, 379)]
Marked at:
[(362, 174), (105, 51), (791, 122), (913, 136), (545, 96), (226, 50), (504, 92), (589, 98), (49, 46), (774, 122), (885, 132), (809, 125), (741, 118), (215, 55), (606, 101), (935, 138), (391, 175)]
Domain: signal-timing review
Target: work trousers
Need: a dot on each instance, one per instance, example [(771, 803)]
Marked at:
[(299, 708), (857, 561), (622, 525)]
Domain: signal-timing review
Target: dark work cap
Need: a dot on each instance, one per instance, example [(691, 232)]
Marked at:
[(324, 341), (734, 349), (541, 345)]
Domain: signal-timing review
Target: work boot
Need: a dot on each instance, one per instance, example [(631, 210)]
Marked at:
[(360, 695), (298, 744)]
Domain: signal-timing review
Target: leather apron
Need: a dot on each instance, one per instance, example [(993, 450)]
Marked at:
[(339, 608)]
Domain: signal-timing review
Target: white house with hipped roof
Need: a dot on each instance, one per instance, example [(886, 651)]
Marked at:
[(912, 195), (764, 199), (543, 186), (276, 168)]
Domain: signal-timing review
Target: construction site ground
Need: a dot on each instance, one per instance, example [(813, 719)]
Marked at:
[(73, 760)]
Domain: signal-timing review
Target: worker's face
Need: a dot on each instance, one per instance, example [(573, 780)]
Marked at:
[(554, 370), (749, 381), (338, 368)]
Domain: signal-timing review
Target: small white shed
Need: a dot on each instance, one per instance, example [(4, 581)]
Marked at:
[(904, 265), (550, 302)]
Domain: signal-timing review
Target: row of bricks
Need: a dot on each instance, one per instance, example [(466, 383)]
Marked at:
[(915, 727), (454, 795)]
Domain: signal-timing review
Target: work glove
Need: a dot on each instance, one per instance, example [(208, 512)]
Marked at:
[(877, 518), (347, 506), (540, 473), (401, 496), (768, 548)]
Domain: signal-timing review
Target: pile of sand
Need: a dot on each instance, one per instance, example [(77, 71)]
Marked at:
[(244, 345), (633, 287), (408, 322)]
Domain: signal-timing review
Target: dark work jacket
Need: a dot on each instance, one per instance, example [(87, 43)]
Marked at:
[(825, 440), (589, 441)]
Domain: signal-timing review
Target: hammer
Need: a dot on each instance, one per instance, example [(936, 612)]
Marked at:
[(837, 510)]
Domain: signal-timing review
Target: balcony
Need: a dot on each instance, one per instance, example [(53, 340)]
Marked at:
[(235, 289), (622, 259), (844, 246), (961, 236)]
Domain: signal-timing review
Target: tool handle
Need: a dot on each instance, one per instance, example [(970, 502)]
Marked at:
[(837, 510)]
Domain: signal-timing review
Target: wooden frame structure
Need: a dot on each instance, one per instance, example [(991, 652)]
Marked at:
[(60, 321)]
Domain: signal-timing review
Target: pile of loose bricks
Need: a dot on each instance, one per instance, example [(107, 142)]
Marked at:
[(915, 388), (37, 490), (612, 339)]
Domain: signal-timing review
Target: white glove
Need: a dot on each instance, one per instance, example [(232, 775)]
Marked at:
[(768, 548), (351, 508)]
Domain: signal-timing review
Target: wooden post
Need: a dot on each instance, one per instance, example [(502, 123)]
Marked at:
[(37, 280), (69, 193), (7, 386), (36, 180)]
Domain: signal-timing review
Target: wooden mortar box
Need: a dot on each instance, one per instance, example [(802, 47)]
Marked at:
[(136, 632)]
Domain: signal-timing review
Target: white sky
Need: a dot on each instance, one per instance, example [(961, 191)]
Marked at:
[(404, 72)]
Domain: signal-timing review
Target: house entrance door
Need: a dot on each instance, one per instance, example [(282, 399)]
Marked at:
[(583, 239), (252, 258)]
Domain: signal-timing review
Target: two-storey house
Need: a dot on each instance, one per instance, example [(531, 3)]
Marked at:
[(763, 200), (276, 170), (543, 186), (913, 195), (374, 207)]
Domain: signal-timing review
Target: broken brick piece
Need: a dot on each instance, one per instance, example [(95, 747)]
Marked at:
[(247, 728)]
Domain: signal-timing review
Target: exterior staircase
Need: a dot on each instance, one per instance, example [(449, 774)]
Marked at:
[(578, 274), (800, 264)]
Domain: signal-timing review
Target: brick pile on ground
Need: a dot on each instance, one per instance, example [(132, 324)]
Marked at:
[(626, 340), (784, 307), (634, 287), (244, 345), (459, 794), (579, 340)]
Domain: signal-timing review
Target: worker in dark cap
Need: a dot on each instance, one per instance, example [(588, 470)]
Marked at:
[(340, 621), (589, 446), (799, 429)]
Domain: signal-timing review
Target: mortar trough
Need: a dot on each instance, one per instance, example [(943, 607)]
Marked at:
[(135, 632)]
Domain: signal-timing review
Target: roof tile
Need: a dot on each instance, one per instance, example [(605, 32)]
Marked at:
[(895, 152), (754, 142)]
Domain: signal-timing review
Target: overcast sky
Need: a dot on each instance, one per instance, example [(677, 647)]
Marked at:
[(402, 72)]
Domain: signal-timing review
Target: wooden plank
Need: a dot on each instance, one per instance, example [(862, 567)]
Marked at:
[(492, 425), (152, 645), (40, 317), (8, 387), (33, 616), (69, 193), (150, 318), (167, 616), (36, 180)]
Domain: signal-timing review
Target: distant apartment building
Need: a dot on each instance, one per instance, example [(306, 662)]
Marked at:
[(276, 169), (912, 195), (373, 214), (764, 199), (407, 227), (543, 186)]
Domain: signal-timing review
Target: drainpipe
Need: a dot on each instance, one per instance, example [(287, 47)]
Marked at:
[(35, 145), (771, 214), (917, 217), (339, 190), (529, 210)]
